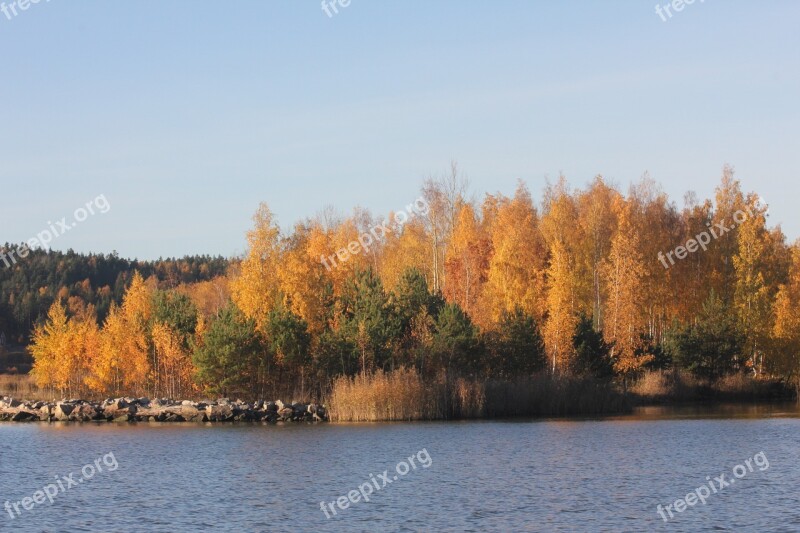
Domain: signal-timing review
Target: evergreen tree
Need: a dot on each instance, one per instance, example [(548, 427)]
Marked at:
[(455, 341), (592, 352), (713, 345), (369, 324), (516, 347), (232, 354)]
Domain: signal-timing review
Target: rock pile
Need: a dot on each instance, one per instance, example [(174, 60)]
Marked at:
[(159, 410)]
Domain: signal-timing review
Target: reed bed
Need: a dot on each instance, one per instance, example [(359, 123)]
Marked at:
[(682, 386), (554, 395), (382, 396), (405, 395), (22, 386)]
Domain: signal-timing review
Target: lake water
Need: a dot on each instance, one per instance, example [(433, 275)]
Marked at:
[(520, 475)]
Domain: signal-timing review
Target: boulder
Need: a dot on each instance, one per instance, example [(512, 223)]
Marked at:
[(62, 411), (219, 413), (85, 413), (45, 412), (120, 414), (24, 415), (119, 403), (193, 414), (169, 416)]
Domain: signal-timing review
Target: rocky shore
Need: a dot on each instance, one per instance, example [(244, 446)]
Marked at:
[(159, 410)]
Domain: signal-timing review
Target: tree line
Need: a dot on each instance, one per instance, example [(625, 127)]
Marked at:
[(491, 289), (31, 285)]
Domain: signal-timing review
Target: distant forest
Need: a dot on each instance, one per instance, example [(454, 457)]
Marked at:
[(30, 286)]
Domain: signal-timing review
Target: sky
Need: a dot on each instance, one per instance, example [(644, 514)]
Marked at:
[(184, 115)]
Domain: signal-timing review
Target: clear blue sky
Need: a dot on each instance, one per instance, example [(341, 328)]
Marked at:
[(186, 114)]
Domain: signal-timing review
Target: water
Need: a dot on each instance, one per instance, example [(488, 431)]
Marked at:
[(547, 475)]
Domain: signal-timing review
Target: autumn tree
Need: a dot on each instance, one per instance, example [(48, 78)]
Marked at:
[(728, 201), (467, 263), (624, 271), (516, 276), (407, 249), (123, 362), (786, 330), (305, 286), (652, 210), (598, 221), (688, 279), (53, 350), (752, 298), (564, 280), (444, 197), (256, 287), (175, 370), (209, 297)]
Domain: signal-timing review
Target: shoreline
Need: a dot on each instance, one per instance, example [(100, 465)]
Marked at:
[(159, 410), (144, 410)]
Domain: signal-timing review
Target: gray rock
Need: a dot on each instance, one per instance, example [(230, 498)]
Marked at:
[(62, 411), (85, 413), (159, 410), (219, 413)]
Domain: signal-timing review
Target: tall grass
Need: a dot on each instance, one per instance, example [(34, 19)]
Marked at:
[(667, 385), (554, 395), (404, 395), (682, 386), (399, 395), (22, 387)]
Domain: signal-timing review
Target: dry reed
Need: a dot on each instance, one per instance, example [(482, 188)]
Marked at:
[(404, 395), (22, 386)]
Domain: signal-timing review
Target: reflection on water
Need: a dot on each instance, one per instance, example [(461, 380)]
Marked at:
[(764, 410), (511, 475)]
